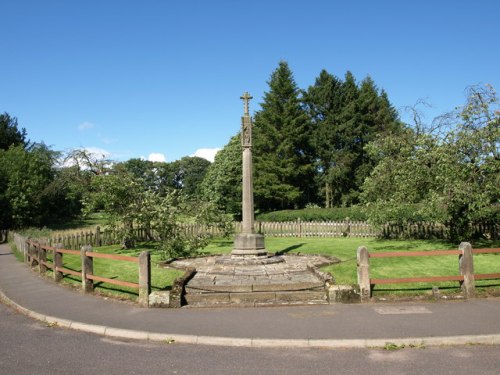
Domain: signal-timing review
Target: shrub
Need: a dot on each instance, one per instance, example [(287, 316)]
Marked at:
[(354, 213)]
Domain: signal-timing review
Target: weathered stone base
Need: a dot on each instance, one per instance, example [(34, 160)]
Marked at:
[(249, 244), (290, 280), (256, 298)]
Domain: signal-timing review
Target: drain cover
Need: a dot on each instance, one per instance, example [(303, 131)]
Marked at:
[(393, 310)]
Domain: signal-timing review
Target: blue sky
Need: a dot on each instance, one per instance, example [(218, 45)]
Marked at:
[(136, 78)]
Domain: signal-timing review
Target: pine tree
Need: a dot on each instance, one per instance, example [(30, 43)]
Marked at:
[(323, 101), (284, 171)]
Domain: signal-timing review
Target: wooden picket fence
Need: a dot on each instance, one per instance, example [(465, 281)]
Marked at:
[(354, 229)]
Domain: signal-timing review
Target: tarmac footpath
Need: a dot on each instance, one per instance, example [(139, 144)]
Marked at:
[(473, 321)]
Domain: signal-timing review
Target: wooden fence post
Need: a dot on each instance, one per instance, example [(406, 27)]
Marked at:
[(97, 237), (58, 263), (32, 251), (363, 266), (144, 278), (24, 244), (42, 258), (87, 269), (466, 266)]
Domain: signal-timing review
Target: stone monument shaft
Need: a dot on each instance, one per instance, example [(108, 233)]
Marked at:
[(247, 243), (246, 143)]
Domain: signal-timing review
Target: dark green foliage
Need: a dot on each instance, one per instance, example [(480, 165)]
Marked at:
[(283, 155), (189, 173), (307, 144), (10, 134), (354, 213), (222, 182), (186, 174), (453, 178), (32, 192), (346, 118)]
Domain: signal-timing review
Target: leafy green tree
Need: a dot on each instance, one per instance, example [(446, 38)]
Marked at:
[(120, 195), (189, 174), (283, 157), (26, 176), (10, 134), (222, 182), (453, 179), (128, 205), (185, 174)]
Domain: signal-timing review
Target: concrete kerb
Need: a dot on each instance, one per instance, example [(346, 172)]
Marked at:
[(253, 342)]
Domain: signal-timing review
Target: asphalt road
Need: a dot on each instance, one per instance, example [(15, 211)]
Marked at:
[(30, 347)]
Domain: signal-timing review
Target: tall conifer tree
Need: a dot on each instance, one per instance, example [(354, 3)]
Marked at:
[(283, 153), (323, 101)]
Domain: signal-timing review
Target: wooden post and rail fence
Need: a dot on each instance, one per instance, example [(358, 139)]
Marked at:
[(466, 275), (35, 254)]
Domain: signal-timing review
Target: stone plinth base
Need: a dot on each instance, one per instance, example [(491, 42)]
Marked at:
[(249, 244), (256, 281)]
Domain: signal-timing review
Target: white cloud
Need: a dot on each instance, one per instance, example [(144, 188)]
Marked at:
[(207, 153), (85, 126), (156, 156)]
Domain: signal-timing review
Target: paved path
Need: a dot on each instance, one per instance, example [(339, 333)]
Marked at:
[(336, 325)]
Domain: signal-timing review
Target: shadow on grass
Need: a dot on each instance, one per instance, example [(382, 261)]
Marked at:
[(289, 248)]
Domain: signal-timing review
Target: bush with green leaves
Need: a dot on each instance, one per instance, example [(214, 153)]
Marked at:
[(129, 205), (354, 213), (449, 177)]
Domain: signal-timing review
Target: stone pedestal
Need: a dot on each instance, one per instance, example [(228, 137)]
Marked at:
[(249, 244)]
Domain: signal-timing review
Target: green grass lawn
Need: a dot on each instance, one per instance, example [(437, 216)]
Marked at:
[(345, 250), (344, 273)]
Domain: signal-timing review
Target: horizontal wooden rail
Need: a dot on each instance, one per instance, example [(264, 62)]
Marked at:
[(485, 276), (112, 256), (423, 253), (416, 279), (49, 248), (72, 252), (68, 271), (486, 251), (113, 281)]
